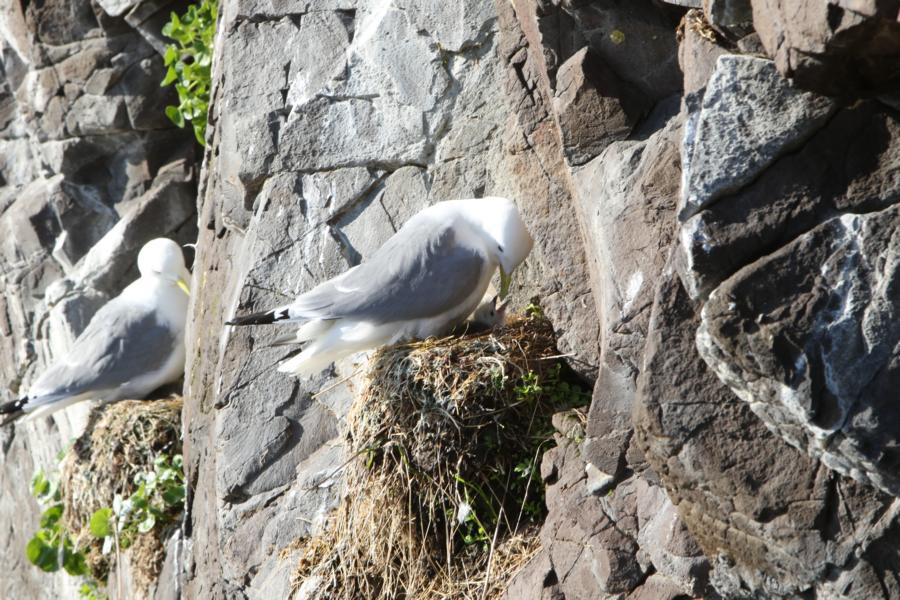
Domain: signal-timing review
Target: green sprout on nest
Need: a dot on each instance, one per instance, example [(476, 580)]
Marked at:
[(159, 499)]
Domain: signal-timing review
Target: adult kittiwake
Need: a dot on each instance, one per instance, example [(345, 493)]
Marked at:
[(427, 278), (133, 344)]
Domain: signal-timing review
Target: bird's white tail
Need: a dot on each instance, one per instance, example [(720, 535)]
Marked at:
[(338, 342)]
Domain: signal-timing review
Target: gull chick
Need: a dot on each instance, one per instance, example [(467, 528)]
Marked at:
[(427, 278), (133, 344)]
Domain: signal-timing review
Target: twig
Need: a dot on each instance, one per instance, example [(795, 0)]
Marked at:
[(337, 383), (487, 574)]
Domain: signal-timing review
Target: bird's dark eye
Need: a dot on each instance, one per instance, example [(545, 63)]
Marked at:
[(499, 247)]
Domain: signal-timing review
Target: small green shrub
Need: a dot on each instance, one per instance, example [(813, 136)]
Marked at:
[(52, 546), (158, 499), (189, 63)]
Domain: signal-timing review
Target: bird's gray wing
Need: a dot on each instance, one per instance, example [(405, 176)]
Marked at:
[(420, 272), (121, 343)]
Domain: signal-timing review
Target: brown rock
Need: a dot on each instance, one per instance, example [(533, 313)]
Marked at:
[(803, 334), (590, 107), (832, 47), (697, 52), (777, 519)]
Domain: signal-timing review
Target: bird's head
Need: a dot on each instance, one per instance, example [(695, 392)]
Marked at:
[(163, 258), (503, 223)]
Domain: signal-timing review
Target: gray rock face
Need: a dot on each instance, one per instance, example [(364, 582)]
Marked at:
[(90, 169), (760, 465), (851, 164), (819, 375), (315, 160), (777, 429), (728, 144)]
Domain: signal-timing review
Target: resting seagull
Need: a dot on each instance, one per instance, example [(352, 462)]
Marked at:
[(426, 279), (133, 344)]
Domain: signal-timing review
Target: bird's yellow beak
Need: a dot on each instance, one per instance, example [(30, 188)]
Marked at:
[(505, 279), (184, 286)]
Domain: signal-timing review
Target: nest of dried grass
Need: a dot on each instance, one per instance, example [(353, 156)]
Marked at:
[(443, 498), (123, 441)]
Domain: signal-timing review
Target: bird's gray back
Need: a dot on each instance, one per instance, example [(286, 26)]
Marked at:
[(121, 343), (422, 271)]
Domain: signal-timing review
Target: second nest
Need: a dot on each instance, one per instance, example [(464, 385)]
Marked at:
[(443, 496)]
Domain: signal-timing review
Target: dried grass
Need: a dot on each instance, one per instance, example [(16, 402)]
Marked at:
[(123, 441), (696, 21), (440, 425)]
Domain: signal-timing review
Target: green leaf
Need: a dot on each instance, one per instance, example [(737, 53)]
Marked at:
[(51, 516), (41, 554), (174, 495), (200, 133), (102, 523), (175, 115), (170, 77), (170, 55), (74, 562), (147, 524), (39, 484)]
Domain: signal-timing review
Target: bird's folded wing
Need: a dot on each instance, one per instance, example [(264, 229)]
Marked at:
[(122, 342), (422, 271)]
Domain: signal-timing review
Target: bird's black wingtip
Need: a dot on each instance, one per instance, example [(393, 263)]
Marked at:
[(12, 406), (11, 411), (263, 318)]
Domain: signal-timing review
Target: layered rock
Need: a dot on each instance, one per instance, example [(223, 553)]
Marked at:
[(90, 169), (778, 522), (316, 159), (761, 398), (716, 246)]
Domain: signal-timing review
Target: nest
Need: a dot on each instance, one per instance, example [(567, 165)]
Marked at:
[(442, 497), (123, 441)]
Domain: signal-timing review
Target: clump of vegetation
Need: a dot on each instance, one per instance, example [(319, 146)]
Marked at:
[(52, 548), (121, 487), (189, 62), (123, 478), (444, 498)]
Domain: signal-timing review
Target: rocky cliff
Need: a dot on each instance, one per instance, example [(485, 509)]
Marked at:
[(713, 188)]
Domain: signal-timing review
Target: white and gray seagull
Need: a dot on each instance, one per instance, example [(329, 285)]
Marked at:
[(133, 344), (426, 279)]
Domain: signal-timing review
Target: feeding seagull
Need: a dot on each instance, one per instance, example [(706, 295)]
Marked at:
[(427, 278), (133, 344)]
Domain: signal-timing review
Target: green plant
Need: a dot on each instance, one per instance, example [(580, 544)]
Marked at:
[(534, 310), (158, 499), (189, 63), (52, 547), (516, 484)]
